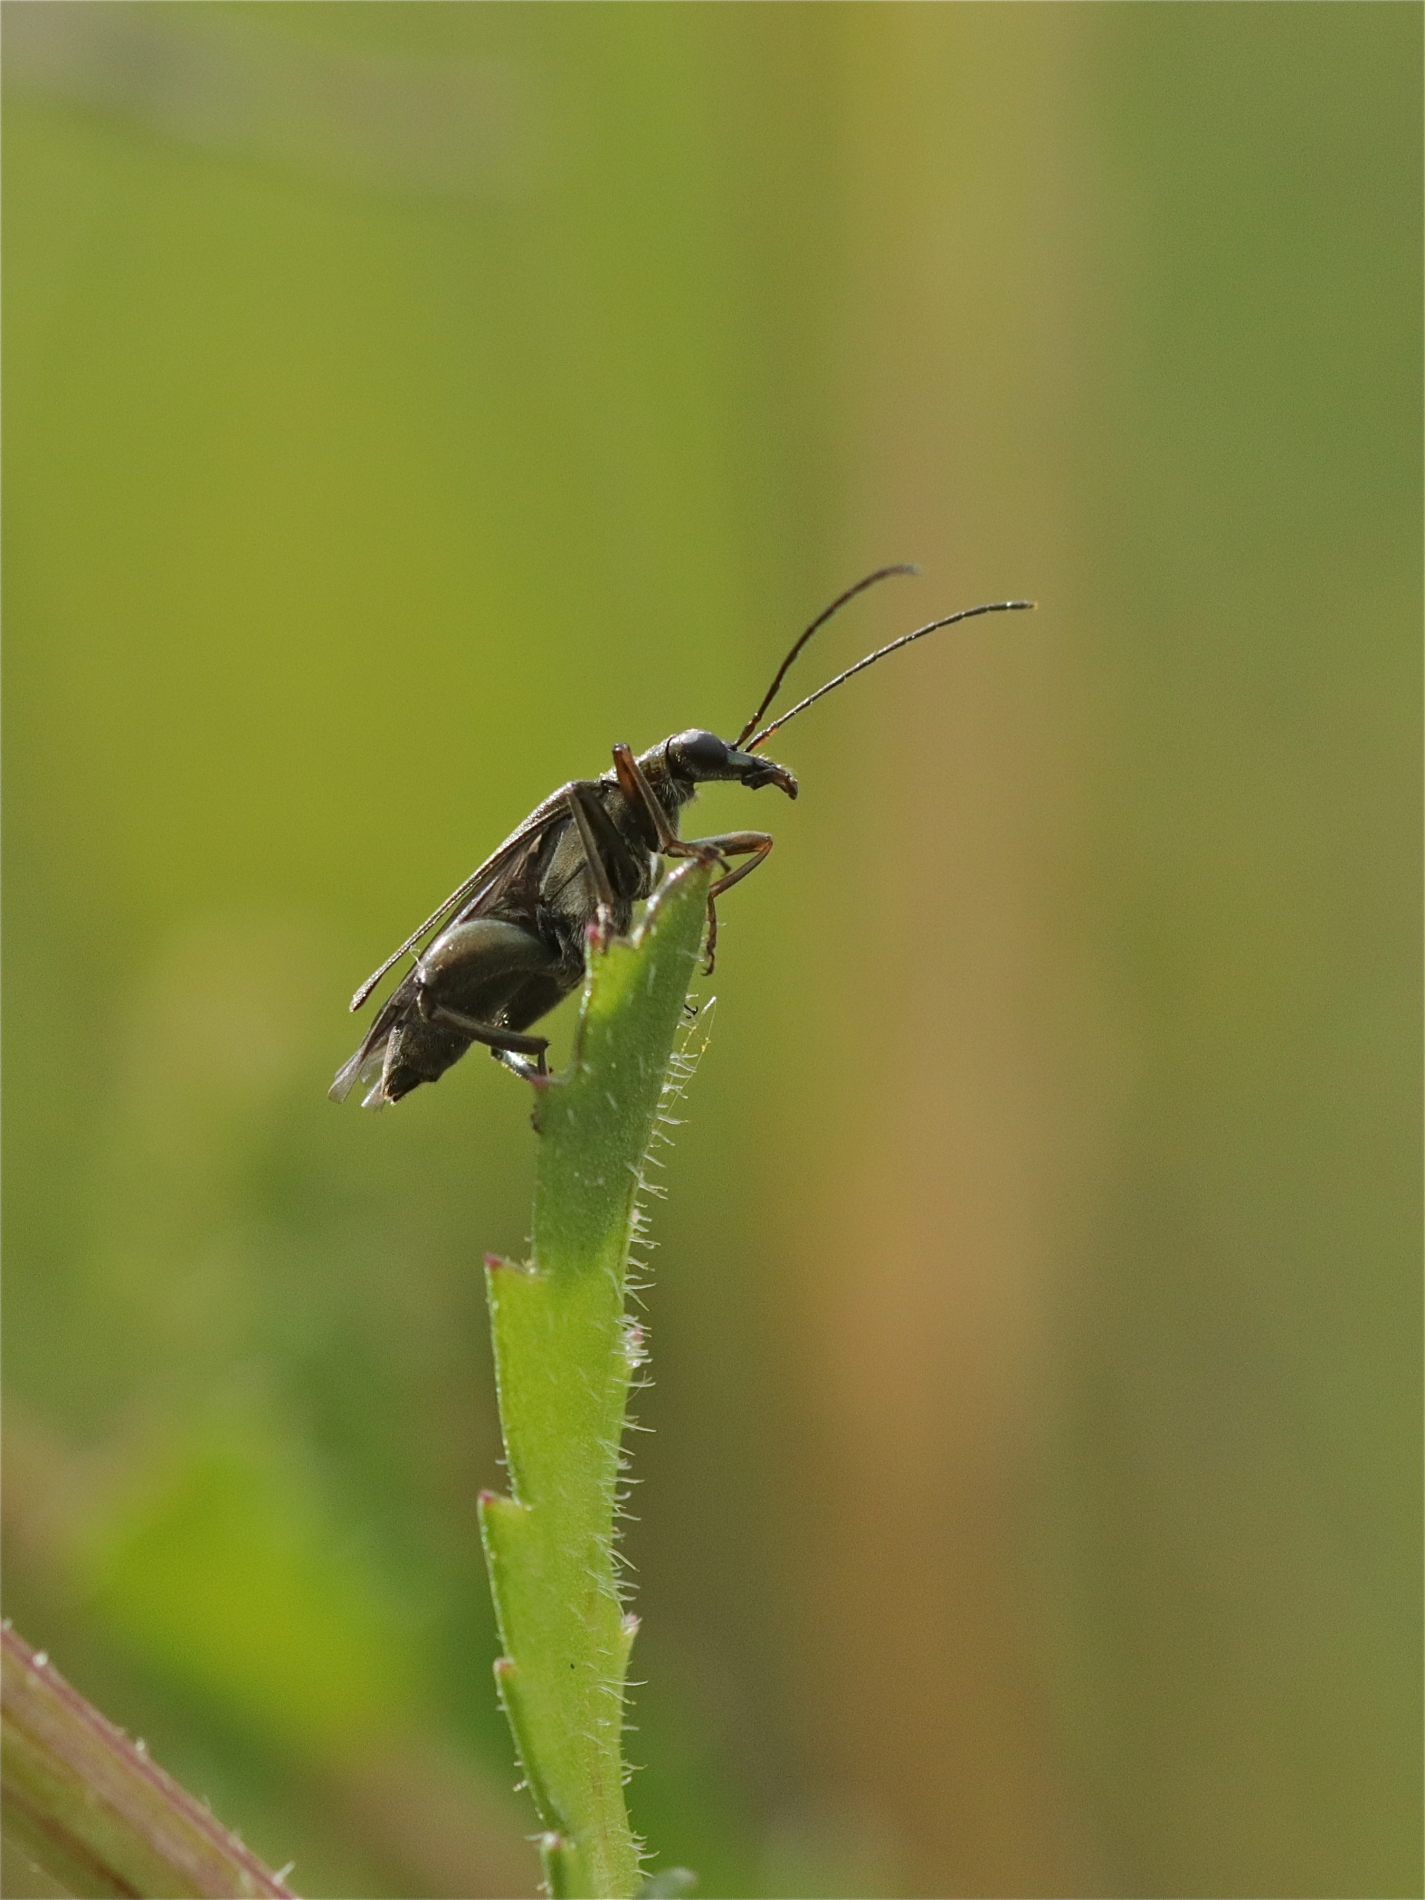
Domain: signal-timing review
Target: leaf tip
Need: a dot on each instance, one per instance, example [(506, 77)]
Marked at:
[(498, 1263)]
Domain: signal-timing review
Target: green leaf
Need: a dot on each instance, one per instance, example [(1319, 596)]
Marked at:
[(565, 1351)]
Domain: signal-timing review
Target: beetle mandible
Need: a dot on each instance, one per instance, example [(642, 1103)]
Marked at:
[(514, 945)]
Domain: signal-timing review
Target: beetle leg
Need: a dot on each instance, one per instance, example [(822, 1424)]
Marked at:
[(493, 1035), (638, 791), (534, 1073), (600, 839), (754, 846)]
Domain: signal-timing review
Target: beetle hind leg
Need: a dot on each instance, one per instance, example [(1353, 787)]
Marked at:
[(536, 1073), (499, 1040)]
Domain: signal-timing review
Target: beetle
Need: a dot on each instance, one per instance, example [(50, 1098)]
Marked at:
[(514, 933)]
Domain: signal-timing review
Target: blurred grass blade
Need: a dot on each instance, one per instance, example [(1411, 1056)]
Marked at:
[(565, 1351), (89, 1806)]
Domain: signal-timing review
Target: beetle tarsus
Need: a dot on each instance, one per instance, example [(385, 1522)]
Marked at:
[(536, 1073)]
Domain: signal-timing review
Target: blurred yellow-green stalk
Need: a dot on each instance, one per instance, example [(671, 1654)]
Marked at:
[(406, 402)]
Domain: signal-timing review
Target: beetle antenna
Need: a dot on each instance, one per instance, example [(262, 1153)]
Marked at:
[(881, 574), (965, 613)]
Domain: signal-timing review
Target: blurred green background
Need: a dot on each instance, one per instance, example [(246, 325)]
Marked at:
[(405, 402)]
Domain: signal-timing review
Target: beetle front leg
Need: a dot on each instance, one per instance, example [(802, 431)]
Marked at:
[(754, 846), (638, 791)]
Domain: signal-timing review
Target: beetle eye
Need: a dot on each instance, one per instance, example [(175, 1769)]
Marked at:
[(699, 754)]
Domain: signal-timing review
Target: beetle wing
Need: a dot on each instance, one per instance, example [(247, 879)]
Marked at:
[(373, 1047), (485, 884)]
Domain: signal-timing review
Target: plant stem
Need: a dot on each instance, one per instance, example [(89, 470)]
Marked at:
[(565, 1350), (93, 1810)]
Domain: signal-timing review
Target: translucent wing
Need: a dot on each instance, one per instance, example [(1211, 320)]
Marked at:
[(482, 885)]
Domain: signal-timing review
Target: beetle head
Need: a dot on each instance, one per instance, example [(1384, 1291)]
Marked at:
[(697, 757)]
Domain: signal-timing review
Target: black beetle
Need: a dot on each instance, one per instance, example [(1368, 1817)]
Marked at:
[(515, 945)]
